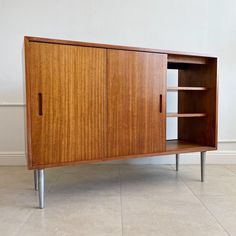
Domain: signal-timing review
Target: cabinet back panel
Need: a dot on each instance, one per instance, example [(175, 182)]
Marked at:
[(66, 103), (136, 80)]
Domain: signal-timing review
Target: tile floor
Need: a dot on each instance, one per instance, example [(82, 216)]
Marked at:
[(120, 200)]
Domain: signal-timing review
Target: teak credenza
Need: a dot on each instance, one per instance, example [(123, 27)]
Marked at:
[(90, 102)]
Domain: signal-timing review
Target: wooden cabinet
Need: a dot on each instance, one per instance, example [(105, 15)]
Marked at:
[(136, 91), (91, 102)]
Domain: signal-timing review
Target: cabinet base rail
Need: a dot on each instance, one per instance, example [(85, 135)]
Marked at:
[(39, 178)]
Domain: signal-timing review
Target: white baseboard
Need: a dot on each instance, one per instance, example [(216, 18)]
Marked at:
[(12, 159), (214, 157)]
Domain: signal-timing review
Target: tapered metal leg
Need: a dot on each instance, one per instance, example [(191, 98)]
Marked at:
[(203, 161), (41, 188), (36, 180), (177, 162)]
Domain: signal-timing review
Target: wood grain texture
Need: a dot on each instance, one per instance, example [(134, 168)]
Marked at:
[(203, 130), (172, 147), (181, 146), (135, 82), (72, 81), (28, 103), (174, 56), (101, 102), (187, 59)]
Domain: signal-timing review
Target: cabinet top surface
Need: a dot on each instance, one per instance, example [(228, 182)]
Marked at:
[(98, 45)]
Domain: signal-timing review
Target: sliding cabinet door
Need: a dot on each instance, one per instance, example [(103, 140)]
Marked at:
[(66, 101), (136, 83)]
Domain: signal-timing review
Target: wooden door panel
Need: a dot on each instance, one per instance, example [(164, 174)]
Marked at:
[(71, 80), (136, 81)]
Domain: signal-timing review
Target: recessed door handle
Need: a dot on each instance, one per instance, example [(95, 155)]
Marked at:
[(40, 104), (160, 103)]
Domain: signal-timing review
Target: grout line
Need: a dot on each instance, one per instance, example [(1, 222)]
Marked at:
[(121, 205), (34, 210), (23, 223), (205, 206)]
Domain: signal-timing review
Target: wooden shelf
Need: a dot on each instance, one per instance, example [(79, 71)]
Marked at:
[(172, 89), (175, 146), (185, 114)]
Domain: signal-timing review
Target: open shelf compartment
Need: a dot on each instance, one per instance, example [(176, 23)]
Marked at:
[(176, 146), (196, 111)]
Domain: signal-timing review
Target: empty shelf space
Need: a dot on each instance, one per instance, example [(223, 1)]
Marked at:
[(186, 88), (186, 114), (184, 146)]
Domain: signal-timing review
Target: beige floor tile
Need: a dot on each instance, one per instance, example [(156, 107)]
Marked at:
[(224, 209), (73, 215), (15, 208), (231, 167), (18, 200), (192, 172), (151, 181), (219, 180), (88, 181), (18, 179), (85, 200), (15, 177), (170, 215), (93, 169)]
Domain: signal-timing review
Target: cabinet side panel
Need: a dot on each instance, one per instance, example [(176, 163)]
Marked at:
[(68, 99), (199, 130), (136, 81), (28, 102)]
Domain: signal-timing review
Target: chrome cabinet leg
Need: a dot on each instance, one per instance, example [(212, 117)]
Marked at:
[(203, 164), (177, 162), (36, 180), (41, 188)]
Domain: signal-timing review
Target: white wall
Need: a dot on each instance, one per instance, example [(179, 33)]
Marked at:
[(207, 26)]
